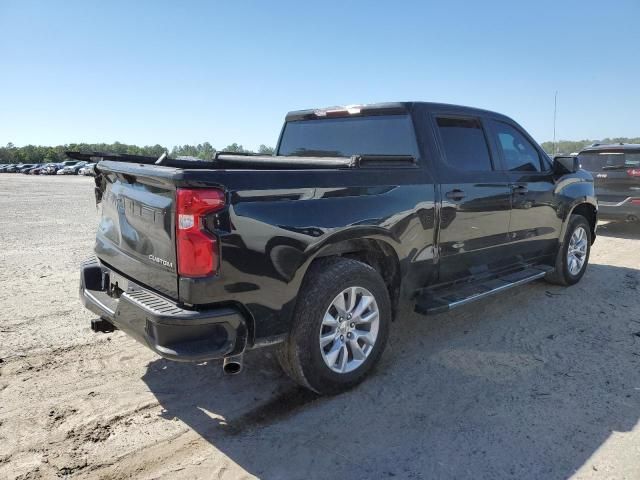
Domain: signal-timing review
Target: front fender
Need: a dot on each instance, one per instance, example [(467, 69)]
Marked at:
[(572, 191)]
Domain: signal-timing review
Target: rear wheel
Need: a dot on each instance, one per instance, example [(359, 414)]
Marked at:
[(573, 256), (341, 326)]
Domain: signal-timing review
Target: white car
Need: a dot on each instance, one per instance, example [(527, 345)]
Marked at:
[(87, 170), (71, 169)]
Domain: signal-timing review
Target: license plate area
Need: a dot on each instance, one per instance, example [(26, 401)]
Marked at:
[(117, 285)]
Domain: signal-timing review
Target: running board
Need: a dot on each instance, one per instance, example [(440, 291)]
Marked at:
[(443, 299)]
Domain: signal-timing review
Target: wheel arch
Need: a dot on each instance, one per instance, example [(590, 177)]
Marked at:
[(375, 252), (589, 211)]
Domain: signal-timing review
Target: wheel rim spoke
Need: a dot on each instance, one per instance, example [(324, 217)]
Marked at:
[(327, 339), (368, 318), (329, 321), (365, 336), (344, 357), (340, 305), (333, 354), (365, 302), (356, 350), (351, 299)]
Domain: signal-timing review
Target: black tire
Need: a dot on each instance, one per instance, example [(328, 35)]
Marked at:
[(561, 274), (300, 355)]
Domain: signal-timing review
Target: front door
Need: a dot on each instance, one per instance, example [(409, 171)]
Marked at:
[(535, 225), (476, 200)]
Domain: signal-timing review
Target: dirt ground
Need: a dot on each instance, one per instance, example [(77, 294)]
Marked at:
[(540, 382)]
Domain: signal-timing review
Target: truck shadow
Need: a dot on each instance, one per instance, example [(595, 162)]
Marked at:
[(530, 390)]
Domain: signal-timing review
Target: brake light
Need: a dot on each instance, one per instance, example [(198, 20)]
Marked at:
[(197, 249), (633, 172), (635, 201)]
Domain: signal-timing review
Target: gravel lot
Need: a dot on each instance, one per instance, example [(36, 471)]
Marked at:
[(543, 382)]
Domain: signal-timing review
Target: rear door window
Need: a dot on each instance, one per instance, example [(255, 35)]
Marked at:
[(465, 144), (518, 152)]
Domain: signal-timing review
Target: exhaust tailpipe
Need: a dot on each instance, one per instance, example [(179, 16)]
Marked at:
[(232, 365)]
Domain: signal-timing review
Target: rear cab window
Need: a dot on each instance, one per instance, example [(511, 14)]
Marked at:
[(392, 135), (596, 161)]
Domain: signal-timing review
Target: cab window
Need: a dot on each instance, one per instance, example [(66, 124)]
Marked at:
[(518, 153), (465, 145)]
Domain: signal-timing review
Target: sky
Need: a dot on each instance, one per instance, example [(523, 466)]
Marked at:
[(186, 72)]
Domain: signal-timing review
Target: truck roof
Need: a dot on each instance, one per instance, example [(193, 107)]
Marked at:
[(611, 147), (385, 108)]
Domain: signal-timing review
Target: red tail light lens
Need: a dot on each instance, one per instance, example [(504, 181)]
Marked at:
[(633, 172), (197, 249)]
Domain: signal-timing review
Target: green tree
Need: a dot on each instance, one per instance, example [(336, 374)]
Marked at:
[(234, 147), (264, 150)]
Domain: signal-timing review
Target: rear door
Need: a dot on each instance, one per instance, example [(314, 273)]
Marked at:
[(136, 233), (534, 227), (476, 199)]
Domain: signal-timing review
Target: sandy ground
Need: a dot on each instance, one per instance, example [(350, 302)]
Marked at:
[(541, 382)]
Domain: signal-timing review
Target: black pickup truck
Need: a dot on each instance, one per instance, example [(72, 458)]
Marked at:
[(313, 249)]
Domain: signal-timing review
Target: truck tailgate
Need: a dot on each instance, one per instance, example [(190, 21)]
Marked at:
[(136, 233)]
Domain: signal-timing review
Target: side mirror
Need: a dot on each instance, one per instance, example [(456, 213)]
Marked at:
[(565, 164)]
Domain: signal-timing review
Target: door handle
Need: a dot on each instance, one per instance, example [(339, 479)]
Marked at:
[(520, 189), (455, 194)]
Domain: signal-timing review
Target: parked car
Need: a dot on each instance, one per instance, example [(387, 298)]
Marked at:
[(26, 167), (314, 248), (87, 169), (53, 168), (71, 169), (33, 168), (14, 168), (38, 170), (616, 169)]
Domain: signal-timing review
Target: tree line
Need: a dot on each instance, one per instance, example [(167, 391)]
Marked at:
[(572, 146), (205, 151), (43, 154)]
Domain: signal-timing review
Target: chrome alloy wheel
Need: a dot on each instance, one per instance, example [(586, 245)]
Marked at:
[(577, 251), (349, 329)]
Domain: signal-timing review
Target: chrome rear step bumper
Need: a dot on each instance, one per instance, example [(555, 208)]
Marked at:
[(166, 328)]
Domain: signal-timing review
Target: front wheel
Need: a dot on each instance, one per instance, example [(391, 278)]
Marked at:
[(573, 256), (340, 328)]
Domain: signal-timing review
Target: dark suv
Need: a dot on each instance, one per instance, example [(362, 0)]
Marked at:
[(616, 170)]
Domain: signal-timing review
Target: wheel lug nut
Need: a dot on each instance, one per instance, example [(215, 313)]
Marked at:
[(353, 325), (341, 319), (349, 335), (349, 316), (341, 337)]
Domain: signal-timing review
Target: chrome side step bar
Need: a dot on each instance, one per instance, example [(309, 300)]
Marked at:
[(444, 299)]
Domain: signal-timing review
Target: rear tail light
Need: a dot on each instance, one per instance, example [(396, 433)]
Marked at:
[(633, 172), (197, 249), (635, 201)]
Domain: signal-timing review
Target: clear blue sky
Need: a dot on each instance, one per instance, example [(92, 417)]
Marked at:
[(176, 72)]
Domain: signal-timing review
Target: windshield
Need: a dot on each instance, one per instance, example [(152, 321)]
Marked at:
[(596, 161), (343, 137)]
